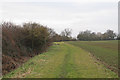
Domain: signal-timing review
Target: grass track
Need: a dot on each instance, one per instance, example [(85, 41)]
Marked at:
[(62, 61)]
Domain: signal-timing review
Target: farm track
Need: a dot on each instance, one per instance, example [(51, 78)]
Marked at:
[(62, 61)]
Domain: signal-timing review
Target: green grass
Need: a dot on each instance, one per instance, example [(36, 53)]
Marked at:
[(107, 51), (62, 61)]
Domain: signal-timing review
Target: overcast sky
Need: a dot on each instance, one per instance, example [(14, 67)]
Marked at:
[(79, 15)]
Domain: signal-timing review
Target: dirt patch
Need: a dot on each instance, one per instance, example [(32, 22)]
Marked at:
[(9, 63)]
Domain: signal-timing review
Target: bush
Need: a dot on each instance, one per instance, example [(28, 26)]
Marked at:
[(28, 40)]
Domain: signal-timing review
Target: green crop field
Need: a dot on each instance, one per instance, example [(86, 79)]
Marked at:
[(64, 60), (105, 51)]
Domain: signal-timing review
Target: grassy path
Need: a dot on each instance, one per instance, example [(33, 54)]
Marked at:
[(62, 61)]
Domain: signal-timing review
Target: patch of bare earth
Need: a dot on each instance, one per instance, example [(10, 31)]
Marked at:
[(10, 63)]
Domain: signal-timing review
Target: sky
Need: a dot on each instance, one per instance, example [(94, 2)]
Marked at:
[(78, 15)]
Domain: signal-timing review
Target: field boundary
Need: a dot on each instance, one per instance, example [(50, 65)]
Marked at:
[(105, 64)]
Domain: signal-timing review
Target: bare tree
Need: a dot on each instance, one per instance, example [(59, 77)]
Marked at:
[(66, 34)]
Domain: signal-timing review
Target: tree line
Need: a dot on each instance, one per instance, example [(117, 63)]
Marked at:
[(92, 36), (87, 35)]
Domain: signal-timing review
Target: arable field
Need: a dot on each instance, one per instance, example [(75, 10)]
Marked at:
[(63, 60), (104, 51)]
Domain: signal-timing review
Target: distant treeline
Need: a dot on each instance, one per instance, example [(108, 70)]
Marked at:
[(65, 35), (91, 36), (86, 36)]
